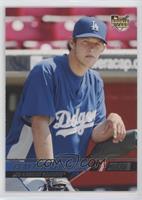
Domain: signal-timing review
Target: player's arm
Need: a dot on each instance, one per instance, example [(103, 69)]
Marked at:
[(113, 126), (42, 137)]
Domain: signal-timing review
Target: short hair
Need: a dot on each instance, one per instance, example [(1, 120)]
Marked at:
[(68, 44)]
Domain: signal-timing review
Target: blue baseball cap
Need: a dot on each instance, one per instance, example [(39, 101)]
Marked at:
[(90, 27)]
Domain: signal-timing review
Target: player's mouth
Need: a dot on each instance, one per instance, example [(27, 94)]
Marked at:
[(91, 56)]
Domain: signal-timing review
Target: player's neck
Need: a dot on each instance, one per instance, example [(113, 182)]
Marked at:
[(76, 66)]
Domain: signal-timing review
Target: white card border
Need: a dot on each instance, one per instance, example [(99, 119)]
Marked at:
[(69, 195)]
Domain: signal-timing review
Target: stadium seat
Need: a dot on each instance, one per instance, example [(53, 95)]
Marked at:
[(39, 12), (12, 11), (91, 11), (57, 31), (132, 44), (59, 44), (45, 45), (18, 29), (13, 44), (117, 44), (30, 44), (127, 11)]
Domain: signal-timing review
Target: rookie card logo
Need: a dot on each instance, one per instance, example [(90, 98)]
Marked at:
[(119, 22)]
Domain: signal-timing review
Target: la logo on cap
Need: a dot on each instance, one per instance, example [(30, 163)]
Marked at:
[(95, 26)]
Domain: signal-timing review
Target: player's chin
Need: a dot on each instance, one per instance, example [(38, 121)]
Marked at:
[(90, 63)]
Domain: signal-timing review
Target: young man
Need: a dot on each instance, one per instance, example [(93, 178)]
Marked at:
[(62, 106)]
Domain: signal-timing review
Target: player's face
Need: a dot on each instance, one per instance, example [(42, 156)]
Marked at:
[(88, 50)]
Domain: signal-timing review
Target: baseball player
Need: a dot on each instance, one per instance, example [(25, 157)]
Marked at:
[(62, 105)]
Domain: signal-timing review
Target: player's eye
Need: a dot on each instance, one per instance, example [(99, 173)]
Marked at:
[(100, 46), (85, 43)]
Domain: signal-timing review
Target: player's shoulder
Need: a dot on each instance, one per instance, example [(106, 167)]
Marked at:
[(48, 65), (95, 75)]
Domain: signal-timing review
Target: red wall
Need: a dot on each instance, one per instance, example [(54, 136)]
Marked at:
[(122, 99)]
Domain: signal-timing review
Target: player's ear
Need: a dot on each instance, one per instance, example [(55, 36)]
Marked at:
[(71, 43), (104, 47)]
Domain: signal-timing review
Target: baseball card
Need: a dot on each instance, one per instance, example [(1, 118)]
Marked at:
[(72, 82)]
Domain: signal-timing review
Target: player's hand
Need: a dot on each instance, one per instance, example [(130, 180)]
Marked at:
[(116, 125)]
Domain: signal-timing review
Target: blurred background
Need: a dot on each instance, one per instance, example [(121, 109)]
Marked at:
[(32, 34)]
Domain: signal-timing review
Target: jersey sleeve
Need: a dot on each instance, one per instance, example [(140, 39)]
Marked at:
[(38, 93), (100, 98)]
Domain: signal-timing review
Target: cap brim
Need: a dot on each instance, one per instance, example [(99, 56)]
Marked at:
[(90, 35)]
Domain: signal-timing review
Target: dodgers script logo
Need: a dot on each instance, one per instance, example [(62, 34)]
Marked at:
[(71, 124)]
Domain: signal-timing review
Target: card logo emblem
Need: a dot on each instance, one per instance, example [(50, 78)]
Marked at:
[(121, 23)]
